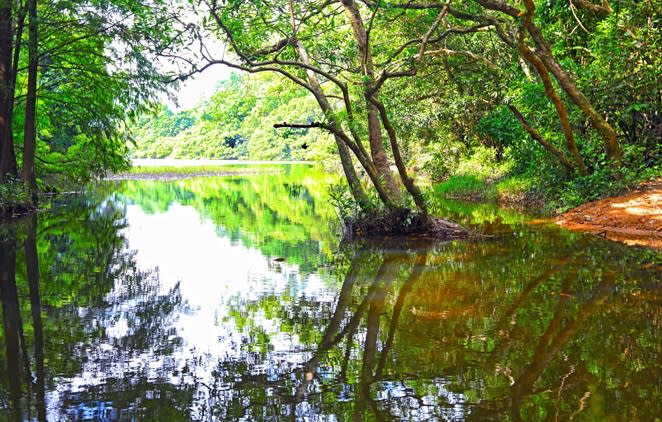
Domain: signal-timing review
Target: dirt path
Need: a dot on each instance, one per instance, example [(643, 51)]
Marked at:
[(633, 219)]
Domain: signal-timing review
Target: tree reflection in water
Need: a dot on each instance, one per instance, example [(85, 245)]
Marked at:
[(533, 325), (423, 332), (92, 312)]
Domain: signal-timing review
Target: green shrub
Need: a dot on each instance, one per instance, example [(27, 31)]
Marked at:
[(442, 158), (14, 196), (482, 163)]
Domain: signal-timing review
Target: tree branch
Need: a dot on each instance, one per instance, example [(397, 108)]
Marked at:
[(537, 137)]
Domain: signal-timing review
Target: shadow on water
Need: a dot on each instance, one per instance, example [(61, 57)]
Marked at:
[(534, 324)]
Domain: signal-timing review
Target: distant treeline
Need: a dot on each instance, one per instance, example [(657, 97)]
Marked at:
[(236, 123)]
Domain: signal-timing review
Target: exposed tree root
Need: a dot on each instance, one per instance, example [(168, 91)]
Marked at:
[(16, 212), (402, 222)]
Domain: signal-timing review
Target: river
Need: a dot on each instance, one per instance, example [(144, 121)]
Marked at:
[(232, 298)]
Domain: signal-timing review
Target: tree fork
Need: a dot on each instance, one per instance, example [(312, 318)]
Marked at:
[(368, 166), (407, 181), (343, 151), (374, 128)]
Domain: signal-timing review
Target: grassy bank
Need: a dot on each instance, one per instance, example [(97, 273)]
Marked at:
[(530, 194), (176, 171), (479, 177), (515, 191)]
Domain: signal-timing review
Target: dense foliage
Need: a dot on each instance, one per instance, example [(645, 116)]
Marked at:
[(552, 99), (74, 74), (236, 123), (545, 99)]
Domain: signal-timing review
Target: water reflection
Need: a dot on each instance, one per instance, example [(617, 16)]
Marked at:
[(115, 309)]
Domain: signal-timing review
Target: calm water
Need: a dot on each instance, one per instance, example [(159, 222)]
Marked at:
[(231, 298)]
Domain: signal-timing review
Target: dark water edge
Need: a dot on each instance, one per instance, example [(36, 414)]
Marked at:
[(232, 298)]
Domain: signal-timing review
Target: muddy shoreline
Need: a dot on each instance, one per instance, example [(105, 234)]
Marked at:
[(634, 218)]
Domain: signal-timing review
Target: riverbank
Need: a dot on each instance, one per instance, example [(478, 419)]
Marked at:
[(512, 192), (15, 200), (634, 218), (164, 169)]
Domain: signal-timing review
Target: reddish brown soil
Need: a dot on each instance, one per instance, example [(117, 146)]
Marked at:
[(633, 219)]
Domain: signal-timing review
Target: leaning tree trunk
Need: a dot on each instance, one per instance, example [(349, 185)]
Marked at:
[(604, 129), (407, 181), (345, 158), (561, 111)]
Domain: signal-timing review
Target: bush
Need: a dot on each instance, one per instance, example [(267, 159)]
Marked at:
[(14, 197), (442, 158), (482, 163)]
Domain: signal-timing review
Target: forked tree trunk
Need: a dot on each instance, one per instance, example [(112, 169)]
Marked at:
[(377, 151), (345, 158), (407, 181)]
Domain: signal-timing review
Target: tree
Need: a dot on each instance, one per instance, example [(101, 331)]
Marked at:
[(30, 131), (89, 67), (516, 35), (331, 51), (11, 27)]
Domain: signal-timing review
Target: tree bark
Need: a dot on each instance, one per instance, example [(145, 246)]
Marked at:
[(374, 127), (30, 130), (7, 157), (407, 181)]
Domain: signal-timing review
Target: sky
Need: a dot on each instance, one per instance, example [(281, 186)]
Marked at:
[(198, 87)]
